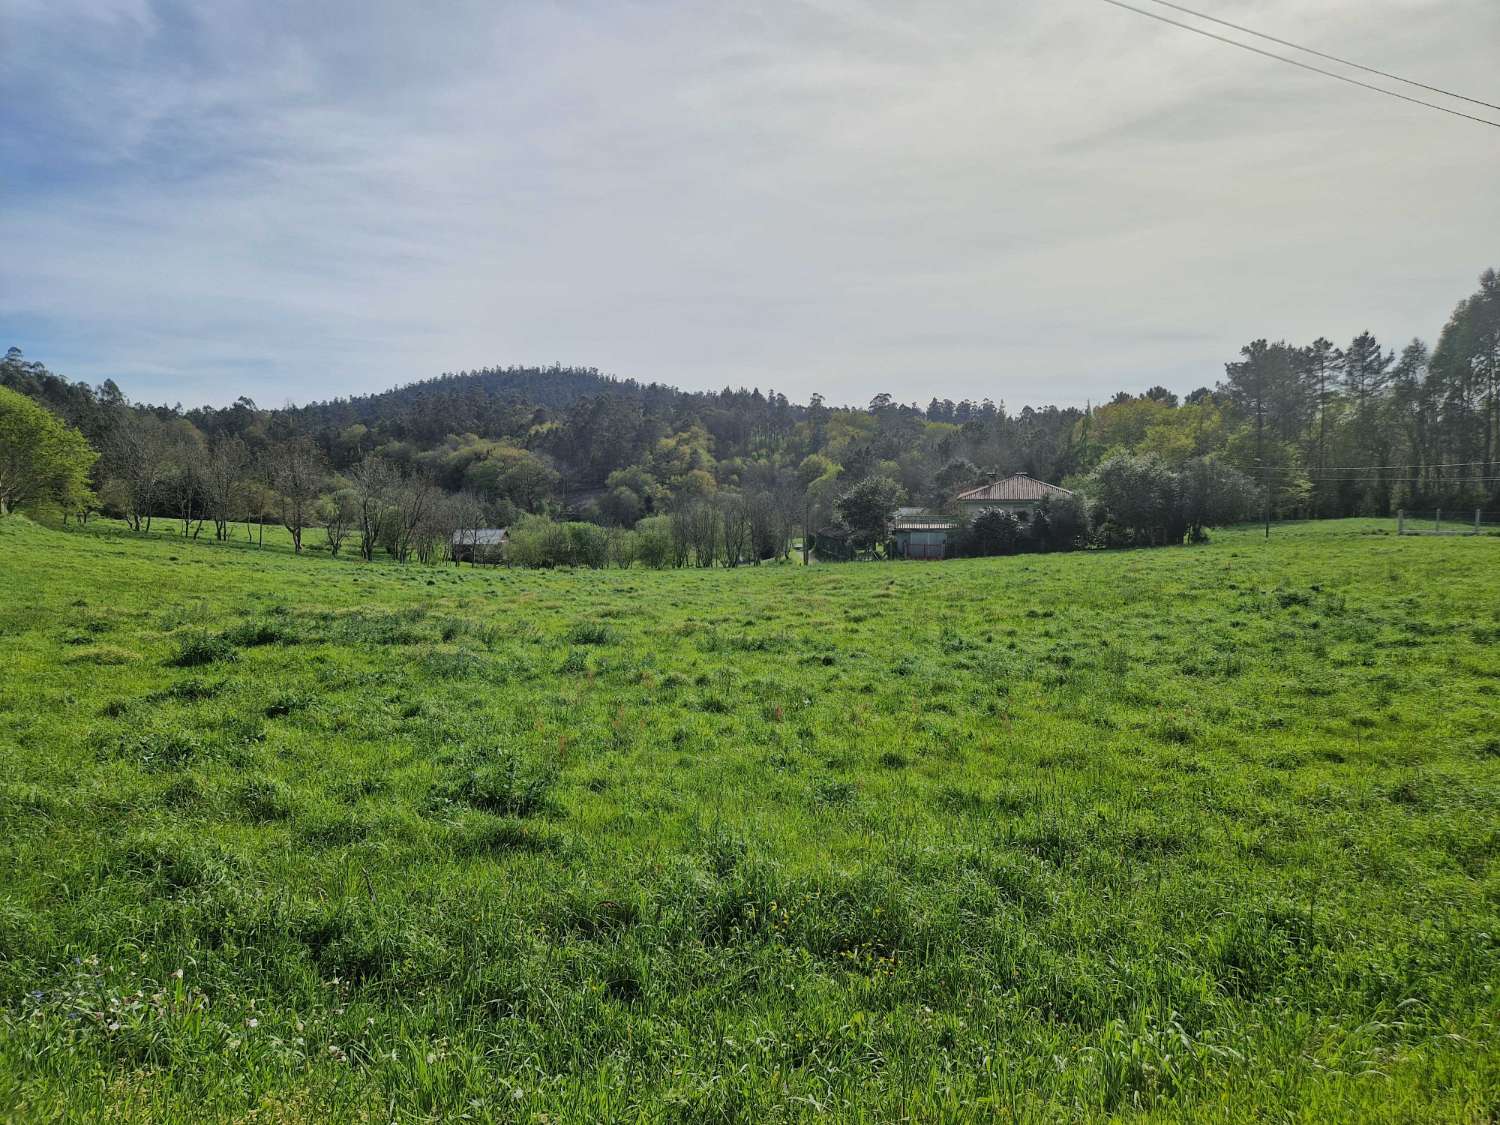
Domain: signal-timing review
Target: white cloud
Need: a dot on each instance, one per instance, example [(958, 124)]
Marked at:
[(1036, 202)]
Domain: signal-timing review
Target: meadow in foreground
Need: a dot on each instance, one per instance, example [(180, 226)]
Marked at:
[(1205, 833)]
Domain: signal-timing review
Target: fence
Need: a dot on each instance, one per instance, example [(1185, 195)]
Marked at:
[(1441, 521)]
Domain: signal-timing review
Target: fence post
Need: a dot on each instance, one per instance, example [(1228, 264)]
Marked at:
[(1401, 521), (1476, 521), (1437, 520)]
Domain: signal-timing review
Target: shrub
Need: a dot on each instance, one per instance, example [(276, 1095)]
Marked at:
[(588, 545), (994, 531), (539, 542), (624, 546), (1140, 500), (653, 542), (1061, 523)]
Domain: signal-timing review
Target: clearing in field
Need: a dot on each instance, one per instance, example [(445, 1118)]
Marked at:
[(1189, 833)]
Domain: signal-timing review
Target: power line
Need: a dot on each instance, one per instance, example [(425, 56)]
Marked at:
[(1326, 55), (1373, 480), (1303, 65), (1373, 468)]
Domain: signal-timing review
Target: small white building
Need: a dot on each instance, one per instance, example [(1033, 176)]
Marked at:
[(479, 544)]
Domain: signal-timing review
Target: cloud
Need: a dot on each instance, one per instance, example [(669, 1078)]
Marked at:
[(1037, 202)]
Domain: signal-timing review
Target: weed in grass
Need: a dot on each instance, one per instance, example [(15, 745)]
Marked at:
[(262, 631), (500, 783), (286, 701), (103, 655), (447, 665), (591, 633), (200, 647), (265, 798), (175, 861), (153, 748), (481, 834)]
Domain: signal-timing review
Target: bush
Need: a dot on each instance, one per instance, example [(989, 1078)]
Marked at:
[(588, 545), (624, 546), (539, 542), (1136, 501), (653, 542), (995, 531), (1139, 501), (1061, 523)]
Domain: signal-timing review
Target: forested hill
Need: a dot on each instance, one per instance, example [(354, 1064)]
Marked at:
[(1328, 428), (485, 401)]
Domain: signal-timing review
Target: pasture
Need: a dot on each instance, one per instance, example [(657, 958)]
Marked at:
[(1194, 833)]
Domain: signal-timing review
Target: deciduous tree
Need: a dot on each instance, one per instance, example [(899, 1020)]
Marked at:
[(43, 461)]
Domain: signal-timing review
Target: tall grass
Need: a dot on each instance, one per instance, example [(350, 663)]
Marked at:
[(1206, 833)]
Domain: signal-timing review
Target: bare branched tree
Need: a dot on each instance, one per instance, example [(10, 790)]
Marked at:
[(339, 512), (298, 476), (413, 500), (140, 459), (372, 481), (734, 527), (223, 482), (468, 512)]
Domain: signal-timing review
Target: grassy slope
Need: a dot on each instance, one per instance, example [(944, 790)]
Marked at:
[(1203, 832)]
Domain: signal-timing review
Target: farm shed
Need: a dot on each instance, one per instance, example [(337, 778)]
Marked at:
[(479, 544), (1019, 494), (919, 534)]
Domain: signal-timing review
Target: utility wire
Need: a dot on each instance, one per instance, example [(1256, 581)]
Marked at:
[(1303, 65), (1373, 468), (1372, 480), (1326, 55)]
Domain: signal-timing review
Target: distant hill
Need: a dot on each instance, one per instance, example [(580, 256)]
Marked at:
[(487, 400)]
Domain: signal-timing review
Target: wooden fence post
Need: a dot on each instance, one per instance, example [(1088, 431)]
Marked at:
[(1437, 520), (1401, 521)]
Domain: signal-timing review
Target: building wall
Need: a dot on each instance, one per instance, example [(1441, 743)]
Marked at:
[(972, 508), (922, 544)]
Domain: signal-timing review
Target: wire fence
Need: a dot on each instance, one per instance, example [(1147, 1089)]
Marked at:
[(1448, 521)]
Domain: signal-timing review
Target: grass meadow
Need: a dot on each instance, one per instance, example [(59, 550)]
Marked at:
[(1200, 833)]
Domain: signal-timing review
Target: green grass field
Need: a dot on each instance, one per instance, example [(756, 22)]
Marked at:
[(1199, 833)]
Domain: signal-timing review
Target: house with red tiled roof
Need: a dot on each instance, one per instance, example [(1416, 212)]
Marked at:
[(1019, 494), (919, 534)]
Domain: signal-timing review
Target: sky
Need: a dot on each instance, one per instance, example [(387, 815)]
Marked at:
[(1036, 201)]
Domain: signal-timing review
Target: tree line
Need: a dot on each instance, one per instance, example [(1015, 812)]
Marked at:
[(1310, 429)]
